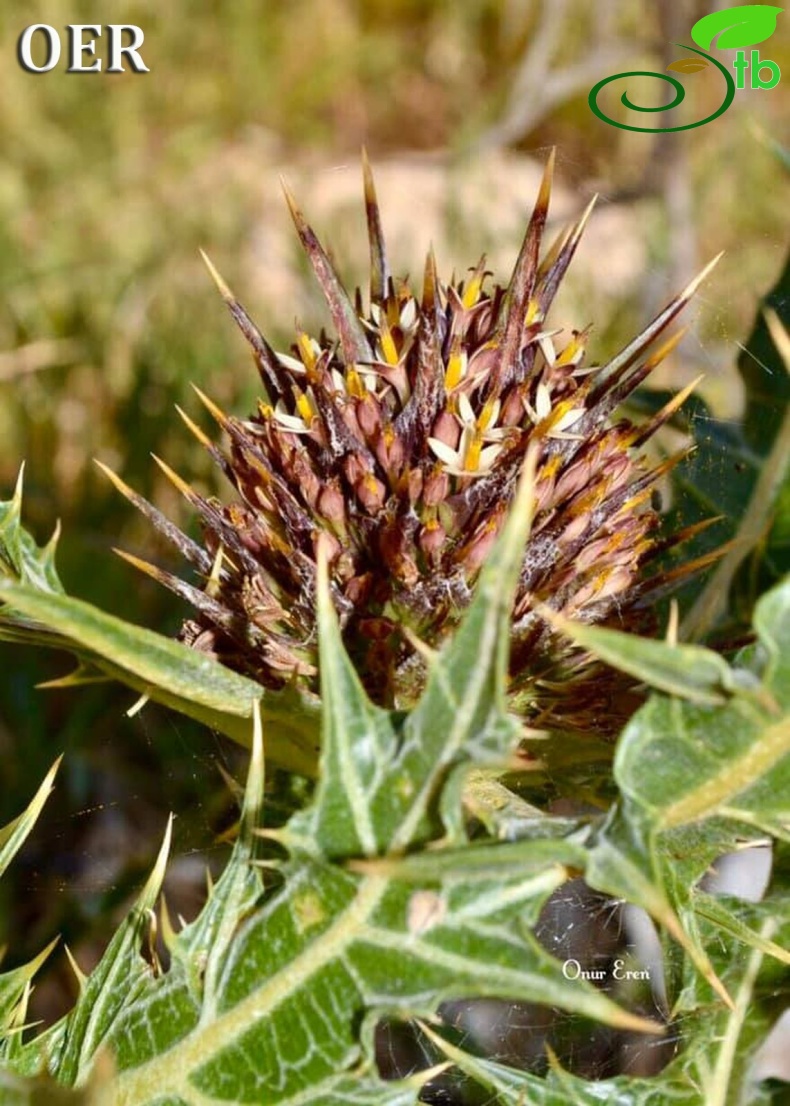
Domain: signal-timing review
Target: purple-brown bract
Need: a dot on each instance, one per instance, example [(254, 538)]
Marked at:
[(401, 440)]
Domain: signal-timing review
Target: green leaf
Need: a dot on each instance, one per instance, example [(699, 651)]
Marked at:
[(14, 988), (13, 835), (20, 558), (624, 862), (359, 747), (380, 774), (301, 971), (166, 671), (690, 671), (34, 608), (15, 984), (681, 762), (120, 976), (687, 770), (272, 994), (483, 863), (733, 916), (744, 25), (714, 1066)]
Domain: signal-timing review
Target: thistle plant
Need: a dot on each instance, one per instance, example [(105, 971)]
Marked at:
[(396, 442), (443, 530)]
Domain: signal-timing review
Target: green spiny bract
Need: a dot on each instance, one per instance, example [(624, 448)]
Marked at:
[(398, 443)]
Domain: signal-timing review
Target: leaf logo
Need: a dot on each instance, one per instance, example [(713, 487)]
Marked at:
[(745, 25), (688, 65)]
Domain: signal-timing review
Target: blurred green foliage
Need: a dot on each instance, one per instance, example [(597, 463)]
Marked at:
[(108, 186)]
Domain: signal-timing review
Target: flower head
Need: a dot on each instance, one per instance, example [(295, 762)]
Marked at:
[(398, 443)]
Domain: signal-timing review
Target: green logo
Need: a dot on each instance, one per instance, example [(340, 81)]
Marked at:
[(733, 28)]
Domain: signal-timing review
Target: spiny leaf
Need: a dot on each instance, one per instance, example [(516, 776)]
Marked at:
[(267, 990), (359, 743), (168, 672), (121, 974), (689, 671), (34, 608), (302, 969), (200, 949), (714, 1066), (13, 986), (463, 709), (623, 863), (682, 762), (681, 765), (20, 558), (486, 862), (13, 835), (726, 916)]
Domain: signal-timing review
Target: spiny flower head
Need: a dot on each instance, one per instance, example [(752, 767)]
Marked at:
[(397, 444)]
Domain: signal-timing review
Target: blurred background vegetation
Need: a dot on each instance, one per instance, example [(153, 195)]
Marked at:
[(110, 183)]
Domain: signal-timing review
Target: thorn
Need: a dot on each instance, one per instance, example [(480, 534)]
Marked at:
[(253, 792), (350, 331), (296, 214), (520, 287), (204, 601), (673, 623), (195, 429), (551, 277), (224, 291), (188, 548), (144, 566), (136, 707), (614, 369), (544, 193), (429, 285), (152, 887), (694, 284), (779, 335), (20, 480), (80, 976), (117, 482), (216, 412), (379, 270), (186, 490), (641, 433), (214, 582), (578, 228), (232, 784)]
